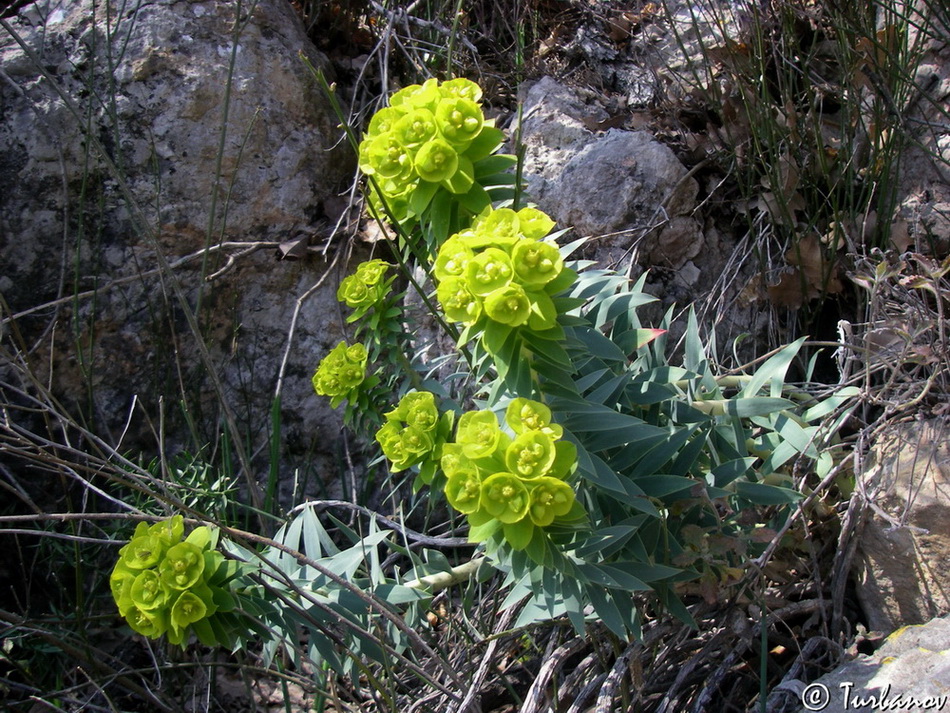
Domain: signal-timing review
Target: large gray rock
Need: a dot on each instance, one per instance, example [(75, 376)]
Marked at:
[(901, 567), (636, 200), (219, 135), (623, 186), (923, 187)]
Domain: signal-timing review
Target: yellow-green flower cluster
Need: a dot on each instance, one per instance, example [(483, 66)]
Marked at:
[(341, 372), (517, 480), (162, 584), (430, 133), (501, 270), (414, 433), (365, 288)]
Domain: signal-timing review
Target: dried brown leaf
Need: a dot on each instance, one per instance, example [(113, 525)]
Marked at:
[(293, 249)]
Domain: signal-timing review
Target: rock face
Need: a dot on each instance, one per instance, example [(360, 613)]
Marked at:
[(911, 671), (901, 568), (923, 188), (634, 197), (622, 185), (216, 135)]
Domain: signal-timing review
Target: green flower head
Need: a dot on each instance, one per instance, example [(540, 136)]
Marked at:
[(457, 301), (534, 223), (383, 121), (416, 443), (524, 415), (143, 551), (509, 305), (417, 96), (531, 454), (385, 156), (356, 293), (187, 609), (389, 197), (404, 446), (120, 584), (146, 591), (417, 409), (452, 259), (341, 371), (372, 272), (170, 530), (501, 224), (463, 89), (147, 623), (182, 566), (389, 437), (478, 433), (436, 161), (356, 354), (463, 490), (454, 460), (536, 263), (550, 498), (504, 497), (459, 121), (415, 128), (488, 271)]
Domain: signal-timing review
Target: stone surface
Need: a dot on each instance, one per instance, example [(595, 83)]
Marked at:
[(635, 199), (624, 188), (911, 671), (923, 191), (155, 84), (901, 566)]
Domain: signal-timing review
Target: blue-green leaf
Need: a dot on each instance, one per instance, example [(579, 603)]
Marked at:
[(725, 473), (762, 494), (663, 452), (747, 407), (660, 486), (775, 367)]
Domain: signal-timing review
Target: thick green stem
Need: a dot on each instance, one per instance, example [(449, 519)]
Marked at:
[(435, 583)]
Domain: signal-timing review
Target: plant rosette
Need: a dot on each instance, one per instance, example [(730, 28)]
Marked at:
[(341, 373), (512, 485), (165, 585), (502, 274), (414, 434), (433, 138), (366, 288)]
